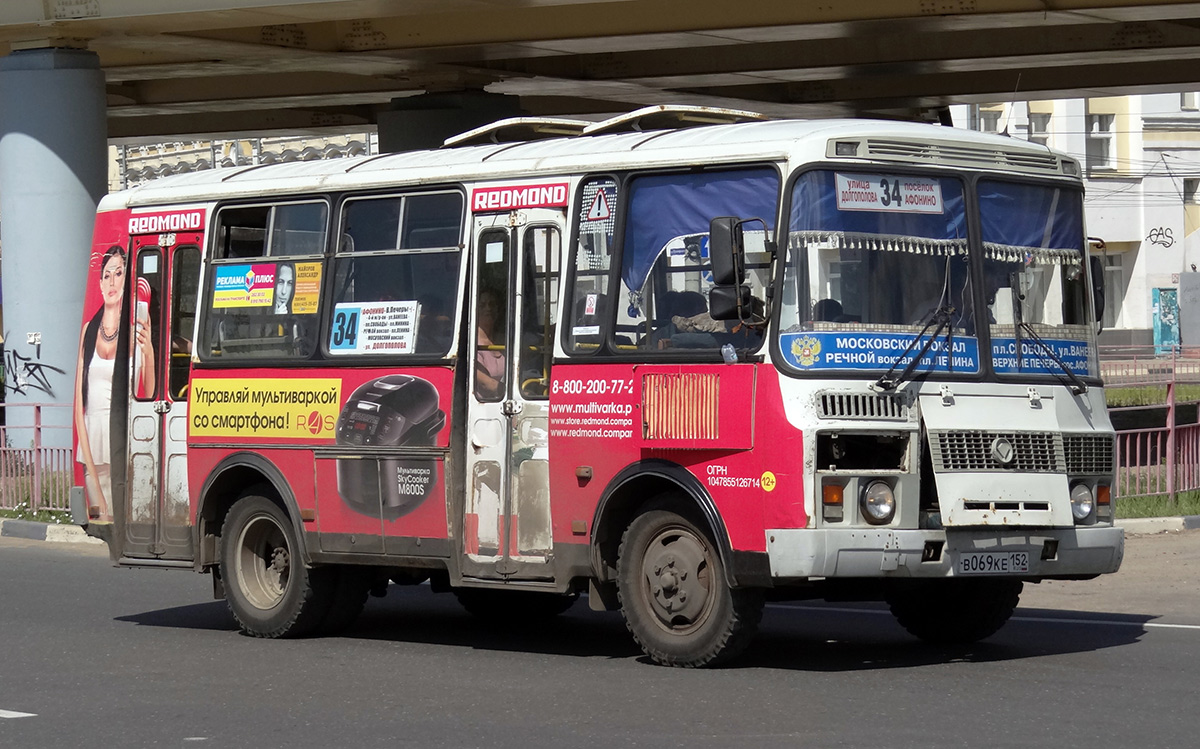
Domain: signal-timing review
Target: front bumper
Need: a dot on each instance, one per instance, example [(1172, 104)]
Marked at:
[(868, 552)]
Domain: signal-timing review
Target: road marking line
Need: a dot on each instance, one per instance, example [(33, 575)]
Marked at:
[(1051, 620), (12, 714)]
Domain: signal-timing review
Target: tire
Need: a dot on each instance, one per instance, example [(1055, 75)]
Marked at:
[(674, 595), (351, 585), (513, 605), (954, 611), (269, 590)]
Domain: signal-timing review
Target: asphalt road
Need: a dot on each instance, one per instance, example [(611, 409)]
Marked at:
[(97, 657)]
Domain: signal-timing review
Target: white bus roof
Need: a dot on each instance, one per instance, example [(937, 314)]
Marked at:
[(797, 140)]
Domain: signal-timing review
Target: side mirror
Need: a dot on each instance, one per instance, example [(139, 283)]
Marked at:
[(726, 302), (726, 250), (1097, 268)]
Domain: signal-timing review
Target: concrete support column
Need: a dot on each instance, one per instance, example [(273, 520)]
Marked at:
[(53, 136), (425, 121)]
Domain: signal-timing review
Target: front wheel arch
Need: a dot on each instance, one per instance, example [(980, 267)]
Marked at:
[(634, 489)]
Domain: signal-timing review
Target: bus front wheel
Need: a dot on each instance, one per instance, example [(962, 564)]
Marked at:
[(269, 590), (675, 597), (954, 611)]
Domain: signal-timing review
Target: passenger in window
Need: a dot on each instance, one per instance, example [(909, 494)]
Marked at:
[(674, 304), (436, 327), (827, 310), (285, 286), (489, 356)]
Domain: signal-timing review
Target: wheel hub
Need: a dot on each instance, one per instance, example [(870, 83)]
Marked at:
[(263, 562), (676, 573), (279, 560)]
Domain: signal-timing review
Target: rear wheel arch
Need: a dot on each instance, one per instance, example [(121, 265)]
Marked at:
[(652, 484), (236, 476)]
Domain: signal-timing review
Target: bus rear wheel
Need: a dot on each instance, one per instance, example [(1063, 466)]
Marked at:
[(675, 597), (269, 590), (954, 611)]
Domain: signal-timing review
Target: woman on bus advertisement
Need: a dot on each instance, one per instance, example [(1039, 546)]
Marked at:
[(101, 347)]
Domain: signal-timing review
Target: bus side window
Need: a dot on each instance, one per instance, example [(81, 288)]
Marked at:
[(539, 310), (405, 249), (263, 289), (589, 314)]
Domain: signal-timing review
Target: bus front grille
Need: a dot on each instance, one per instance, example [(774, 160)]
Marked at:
[(1030, 452), (1089, 453)]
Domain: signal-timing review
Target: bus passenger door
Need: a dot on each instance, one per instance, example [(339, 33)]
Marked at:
[(507, 531), (156, 514)]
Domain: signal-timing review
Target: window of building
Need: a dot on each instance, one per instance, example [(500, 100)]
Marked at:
[(988, 120), (1099, 141), (1039, 128), (1114, 288), (1190, 188)]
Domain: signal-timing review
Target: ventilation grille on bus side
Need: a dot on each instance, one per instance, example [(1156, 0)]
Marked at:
[(1033, 452), (972, 156), (680, 406), (1089, 453), (862, 406)]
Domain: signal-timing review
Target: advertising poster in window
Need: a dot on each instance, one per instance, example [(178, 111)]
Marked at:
[(239, 286)]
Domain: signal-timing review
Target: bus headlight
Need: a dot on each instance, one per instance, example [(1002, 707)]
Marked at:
[(878, 503), (1082, 502)]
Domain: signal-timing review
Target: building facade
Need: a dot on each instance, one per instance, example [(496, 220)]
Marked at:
[(1141, 155)]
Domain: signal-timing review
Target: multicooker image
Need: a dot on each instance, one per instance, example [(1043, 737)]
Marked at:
[(398, 411)]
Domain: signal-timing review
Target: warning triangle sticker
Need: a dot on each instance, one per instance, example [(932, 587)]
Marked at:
[(599, 210)]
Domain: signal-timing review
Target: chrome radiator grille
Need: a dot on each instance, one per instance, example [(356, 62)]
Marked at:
[(1089, 453), (1032, 452)]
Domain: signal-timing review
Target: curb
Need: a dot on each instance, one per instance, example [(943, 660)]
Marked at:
[(1159, 525), (35, 531)]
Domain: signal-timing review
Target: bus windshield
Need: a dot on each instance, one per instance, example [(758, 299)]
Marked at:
[(1034, 282), (879, 263), (873, 260)]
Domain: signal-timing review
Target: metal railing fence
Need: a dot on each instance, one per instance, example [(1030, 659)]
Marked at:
[(1160, 460), (36, 464)]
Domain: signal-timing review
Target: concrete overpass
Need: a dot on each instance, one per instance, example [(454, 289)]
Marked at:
[(74, 73), (213, 66)]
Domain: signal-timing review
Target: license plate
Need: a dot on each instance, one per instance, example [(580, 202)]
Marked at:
[(992, 562)]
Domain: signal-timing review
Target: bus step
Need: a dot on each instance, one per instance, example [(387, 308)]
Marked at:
[(181, 564)]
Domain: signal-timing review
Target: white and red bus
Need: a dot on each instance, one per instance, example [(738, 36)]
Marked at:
[(682, 369)]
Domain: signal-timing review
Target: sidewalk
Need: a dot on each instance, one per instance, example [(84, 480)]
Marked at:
[(1159, 525), (44, 532)]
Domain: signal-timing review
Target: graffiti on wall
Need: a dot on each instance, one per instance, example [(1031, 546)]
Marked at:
[(1161, 236), (26, 374)]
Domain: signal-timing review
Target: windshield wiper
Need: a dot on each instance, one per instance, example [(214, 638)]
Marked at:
[(1075, 385), (1072, 382), (942, 315)]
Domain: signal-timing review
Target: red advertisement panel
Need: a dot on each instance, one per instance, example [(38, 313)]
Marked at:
[(724, 424)]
